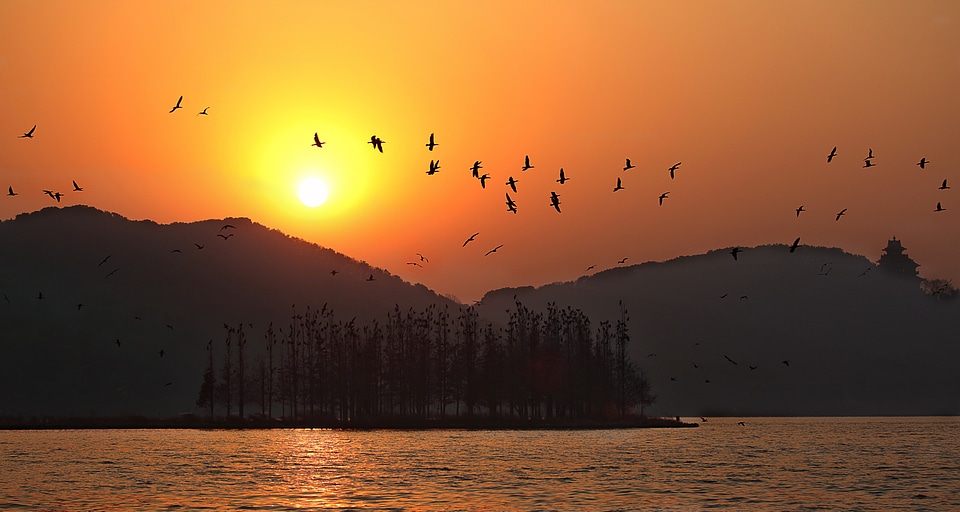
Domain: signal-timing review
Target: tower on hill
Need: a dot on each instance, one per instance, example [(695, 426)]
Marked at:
[(895, 261)]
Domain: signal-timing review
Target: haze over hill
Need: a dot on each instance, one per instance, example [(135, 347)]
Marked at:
[(91, 298), (859, 340)]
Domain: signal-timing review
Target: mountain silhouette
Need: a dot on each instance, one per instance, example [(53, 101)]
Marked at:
[(814, 332), (128, 306)]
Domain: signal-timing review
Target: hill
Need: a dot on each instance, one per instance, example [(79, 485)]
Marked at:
[(90, 298), (858, 340)]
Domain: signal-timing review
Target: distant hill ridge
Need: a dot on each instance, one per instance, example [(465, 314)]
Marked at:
[(90, 299)]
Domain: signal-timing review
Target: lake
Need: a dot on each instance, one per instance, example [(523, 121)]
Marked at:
[(765, 464)]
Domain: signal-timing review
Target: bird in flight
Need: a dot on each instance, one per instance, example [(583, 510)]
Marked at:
[(430, 145), (11, 193), (175, 107), (112, 272), (728, 359), (77, 188), (491, 251), (939, 207), (316, 140), (511, 205), (370, 278), (29, 135), (868, 163), (591, 267), (104, 260), (628, 166), (621, 261), (199, 246), (800, 209), (832, 154), (526, 163), (563, 179), (841, 213), (334, 272), (923, 163), (619, 186), (512, 183), (161, 352), (221, 235), (869, 154), (673, 168), (227, 226), (662, 197), (423, 258), (475, 169), (434, 167), (555, 201), (796, 243), (415, 264), (483, 180), (786, 362), (471, 238), (943, 186), (735, 251), (377, 143), (203, 112), (53, 195)]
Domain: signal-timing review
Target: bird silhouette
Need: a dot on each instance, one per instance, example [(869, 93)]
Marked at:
[(112, 272), (475, 169), (662, 197), (621, 261), (943, 186), (221, 235), (430, 145), (786, 362), (673, 168), (868, 163), (117, 341), (104, 260), (316, 140), (869, 154), (227, 226), (742, 424), (555, 201), (203, 112), (483, 180), (526, 163), (77, 188), (923, 163), (752, 367), (334, 272), (628, 166), (512, 183), (176, 250), (175, 107), (832, 154), (511, 205), (841, 213), (591, 267), (377, 143), (796, 243), (563, 179), (619, 186), (491, 251), (735, 251), (415, 264), (199, 246), (161, 352), (79, 306), (800, 209), (29, 135), (423, 258), (11, 193), (370, 278), (40, 296), (471, 238), (434, 167), (939, 207), (728, 359)]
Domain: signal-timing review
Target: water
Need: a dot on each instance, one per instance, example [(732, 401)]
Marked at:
[(767, 464)]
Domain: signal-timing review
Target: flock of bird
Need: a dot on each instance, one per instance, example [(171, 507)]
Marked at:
[(512, 206)]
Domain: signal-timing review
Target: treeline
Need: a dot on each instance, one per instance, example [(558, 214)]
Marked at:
[(426, 365)]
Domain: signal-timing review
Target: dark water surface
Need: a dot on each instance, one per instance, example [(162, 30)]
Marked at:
[(766, 464)]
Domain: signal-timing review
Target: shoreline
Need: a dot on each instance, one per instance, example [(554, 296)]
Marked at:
[(195, 423)]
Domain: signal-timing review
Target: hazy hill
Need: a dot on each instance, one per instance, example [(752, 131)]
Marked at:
[(856, 343), (151, 287)]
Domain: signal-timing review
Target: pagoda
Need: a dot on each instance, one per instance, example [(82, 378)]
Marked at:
[(895, 261)]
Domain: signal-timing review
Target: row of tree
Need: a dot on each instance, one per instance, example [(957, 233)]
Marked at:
[(426, 365)]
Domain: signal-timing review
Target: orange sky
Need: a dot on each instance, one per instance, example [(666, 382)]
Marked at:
[(749, 95)]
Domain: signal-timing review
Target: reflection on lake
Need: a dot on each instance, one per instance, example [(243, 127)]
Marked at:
[(768, 463)]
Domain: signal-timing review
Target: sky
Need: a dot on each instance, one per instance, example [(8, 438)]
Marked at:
[(749, 96)]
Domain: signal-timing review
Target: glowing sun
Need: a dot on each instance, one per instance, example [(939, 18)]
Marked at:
[(313, 192)]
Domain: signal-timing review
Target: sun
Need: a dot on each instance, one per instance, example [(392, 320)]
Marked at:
[(313, 192)]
